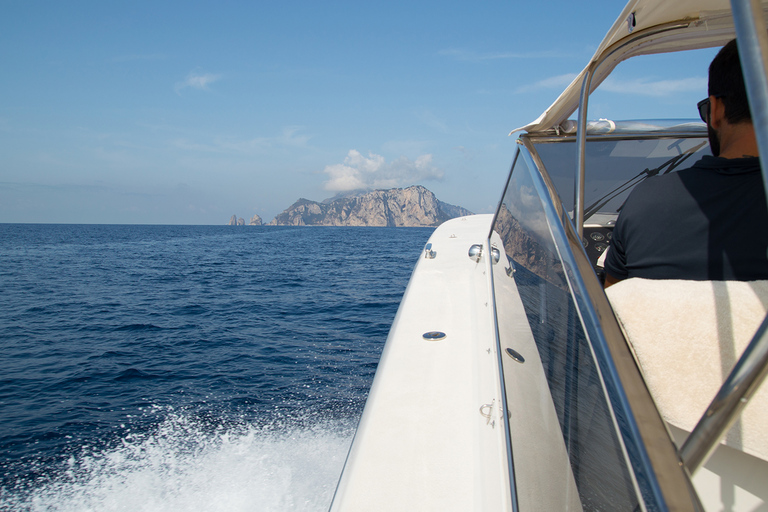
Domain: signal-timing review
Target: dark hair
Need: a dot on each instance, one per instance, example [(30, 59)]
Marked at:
[(726, 81)]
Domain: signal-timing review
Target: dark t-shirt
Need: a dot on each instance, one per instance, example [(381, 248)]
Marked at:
[(708, 222)]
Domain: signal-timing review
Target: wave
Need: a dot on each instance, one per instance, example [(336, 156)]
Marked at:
[(186, 464), (133, 373), (138, 327)]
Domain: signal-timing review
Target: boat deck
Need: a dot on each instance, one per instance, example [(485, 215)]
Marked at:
[(448, 388)]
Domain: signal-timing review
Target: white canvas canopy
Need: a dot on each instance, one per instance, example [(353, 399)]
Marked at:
[(666, 26)]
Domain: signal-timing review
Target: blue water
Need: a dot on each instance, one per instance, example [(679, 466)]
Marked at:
[(188, 367)]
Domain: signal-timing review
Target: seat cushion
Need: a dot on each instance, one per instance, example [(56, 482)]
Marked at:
[(687, 336)]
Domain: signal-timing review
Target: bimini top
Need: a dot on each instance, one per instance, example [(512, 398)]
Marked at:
[(645, 27)]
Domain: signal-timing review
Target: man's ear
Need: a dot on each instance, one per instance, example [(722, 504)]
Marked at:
[(716, 112)]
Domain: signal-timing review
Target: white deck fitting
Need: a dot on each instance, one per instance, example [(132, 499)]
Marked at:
[(422, 442)]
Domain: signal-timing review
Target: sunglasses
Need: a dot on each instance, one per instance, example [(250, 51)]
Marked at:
[(703, 107)]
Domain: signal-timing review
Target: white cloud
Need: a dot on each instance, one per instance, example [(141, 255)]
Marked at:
[(139, 57), (360, 172), (291, 137), (558, 82), (406, 146), (645, 87), (637, 86), (469, 55), (196, 80), (431, 120)]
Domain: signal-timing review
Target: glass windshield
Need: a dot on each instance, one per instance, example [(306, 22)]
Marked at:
[(558, 393), (614, 167)]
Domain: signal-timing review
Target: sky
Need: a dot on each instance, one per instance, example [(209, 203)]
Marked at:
[(189, 112)]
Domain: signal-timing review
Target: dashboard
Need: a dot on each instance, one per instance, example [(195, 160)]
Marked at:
[(596, 240)]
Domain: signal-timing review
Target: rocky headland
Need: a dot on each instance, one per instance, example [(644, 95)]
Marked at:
[(398, 207)]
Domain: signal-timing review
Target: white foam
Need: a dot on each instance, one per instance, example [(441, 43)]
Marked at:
[(184, 466)]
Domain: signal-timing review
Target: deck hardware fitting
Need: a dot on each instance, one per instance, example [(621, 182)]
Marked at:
[(475, 252), (487, 415), (434, 336), (429, 253), (495, 254), (514, 355), (631, 22)]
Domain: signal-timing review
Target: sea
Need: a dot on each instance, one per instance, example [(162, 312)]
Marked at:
[(172, 368)]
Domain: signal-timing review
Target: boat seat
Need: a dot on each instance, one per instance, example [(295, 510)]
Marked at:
[(687, 336)]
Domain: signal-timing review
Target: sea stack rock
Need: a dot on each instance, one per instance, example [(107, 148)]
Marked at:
[(256, 221)]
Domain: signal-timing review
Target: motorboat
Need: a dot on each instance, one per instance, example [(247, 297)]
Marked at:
[(510, 380)]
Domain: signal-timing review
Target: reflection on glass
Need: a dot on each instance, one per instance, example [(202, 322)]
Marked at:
[(588, 430)]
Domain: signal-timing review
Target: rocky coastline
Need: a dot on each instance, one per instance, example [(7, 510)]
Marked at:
[(414, 206)]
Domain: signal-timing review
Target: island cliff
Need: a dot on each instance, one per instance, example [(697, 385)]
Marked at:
[(410, 207)]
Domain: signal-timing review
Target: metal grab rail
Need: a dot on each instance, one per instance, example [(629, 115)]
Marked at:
[(581, 153)]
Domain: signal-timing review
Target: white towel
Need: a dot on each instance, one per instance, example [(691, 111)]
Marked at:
[(687, 336)]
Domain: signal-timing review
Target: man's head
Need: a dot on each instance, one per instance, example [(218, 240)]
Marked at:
[(727, 94), (726, 81)]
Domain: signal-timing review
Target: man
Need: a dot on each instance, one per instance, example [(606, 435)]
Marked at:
[(708, 222)]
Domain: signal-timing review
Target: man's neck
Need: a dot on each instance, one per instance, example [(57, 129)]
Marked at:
[(738, 141)]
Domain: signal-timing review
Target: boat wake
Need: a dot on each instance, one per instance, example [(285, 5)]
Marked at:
[(184, 464)]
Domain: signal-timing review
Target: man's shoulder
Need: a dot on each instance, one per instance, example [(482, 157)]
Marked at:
[(725, 166), (704, 170)]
